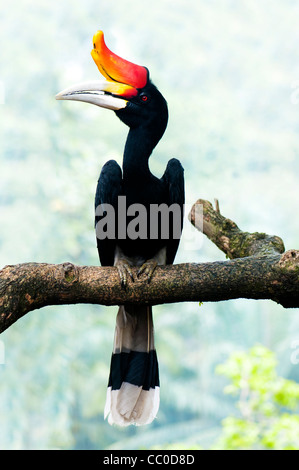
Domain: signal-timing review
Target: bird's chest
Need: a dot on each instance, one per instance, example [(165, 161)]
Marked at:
[(138, 211), (144, 193)]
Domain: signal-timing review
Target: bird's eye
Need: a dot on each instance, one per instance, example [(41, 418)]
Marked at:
[(144, 98)]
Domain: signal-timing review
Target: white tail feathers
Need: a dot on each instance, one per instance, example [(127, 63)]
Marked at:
[(131, 405), (133, 389)]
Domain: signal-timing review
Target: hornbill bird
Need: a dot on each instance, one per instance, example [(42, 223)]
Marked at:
[(133, 388)]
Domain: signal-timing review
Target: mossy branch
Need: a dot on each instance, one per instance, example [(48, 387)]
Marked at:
[(228, 237), (258, 269)]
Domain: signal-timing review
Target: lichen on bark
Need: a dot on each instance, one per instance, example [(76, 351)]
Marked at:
[(258, 268)]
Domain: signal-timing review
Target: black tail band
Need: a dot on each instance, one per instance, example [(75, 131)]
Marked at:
[(136, 368)]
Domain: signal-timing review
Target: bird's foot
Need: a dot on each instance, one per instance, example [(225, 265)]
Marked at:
[(148, 269), (124, 270)]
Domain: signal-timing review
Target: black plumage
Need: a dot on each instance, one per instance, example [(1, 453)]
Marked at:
[(147, 119), (121, 193)]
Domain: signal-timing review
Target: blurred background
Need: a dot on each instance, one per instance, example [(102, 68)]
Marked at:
[(230, 73)]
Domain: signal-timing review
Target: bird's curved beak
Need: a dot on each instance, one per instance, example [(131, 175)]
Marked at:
[(123, 79), (101, 93)]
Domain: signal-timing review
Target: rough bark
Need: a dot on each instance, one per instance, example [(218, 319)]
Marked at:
[(258, 269), (228, 237)]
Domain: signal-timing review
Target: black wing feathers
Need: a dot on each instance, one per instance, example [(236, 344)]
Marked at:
[(109, 187), (174, 179)]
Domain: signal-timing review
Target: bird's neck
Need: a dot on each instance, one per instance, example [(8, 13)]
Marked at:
[(138, 148)]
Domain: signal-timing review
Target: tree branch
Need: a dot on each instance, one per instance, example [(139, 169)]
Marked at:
[(258, 269), (227, 235)]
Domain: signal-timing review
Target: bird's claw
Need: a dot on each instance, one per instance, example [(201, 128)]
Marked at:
[(124, 269), (148, 269)]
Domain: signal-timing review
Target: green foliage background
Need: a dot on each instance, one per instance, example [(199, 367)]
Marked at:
[(229, 71), (265, 401)]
